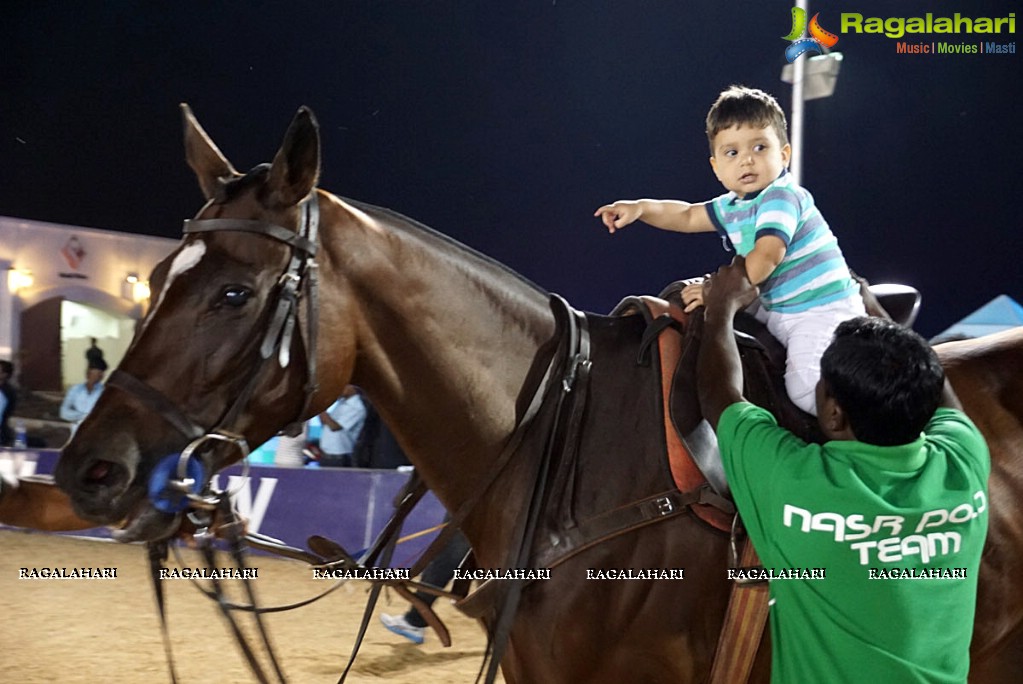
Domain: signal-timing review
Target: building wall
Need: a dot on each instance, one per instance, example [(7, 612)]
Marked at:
[(84, 265)]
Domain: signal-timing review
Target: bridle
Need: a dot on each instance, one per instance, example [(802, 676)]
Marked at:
[(182, 481), (299, 279)]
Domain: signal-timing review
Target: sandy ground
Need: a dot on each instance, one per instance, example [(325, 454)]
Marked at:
[(107, 630)]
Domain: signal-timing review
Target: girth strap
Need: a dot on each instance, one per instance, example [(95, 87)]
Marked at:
[(598, 529)]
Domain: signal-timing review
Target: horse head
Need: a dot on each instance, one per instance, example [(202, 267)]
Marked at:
[(221, 356)]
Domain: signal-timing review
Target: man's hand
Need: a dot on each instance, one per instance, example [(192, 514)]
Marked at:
[(729, 290)]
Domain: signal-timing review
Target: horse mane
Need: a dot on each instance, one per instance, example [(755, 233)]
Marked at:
[(400, 221), (232, 187)]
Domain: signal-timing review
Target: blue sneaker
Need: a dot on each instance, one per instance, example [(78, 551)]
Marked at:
[(399, 625)]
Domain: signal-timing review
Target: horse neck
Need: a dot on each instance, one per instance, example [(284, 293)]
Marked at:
[(444, 341)]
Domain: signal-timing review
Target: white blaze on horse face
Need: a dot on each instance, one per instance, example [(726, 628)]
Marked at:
[(186, 259)]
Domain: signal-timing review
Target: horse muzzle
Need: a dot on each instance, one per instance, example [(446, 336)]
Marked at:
[(105, 491), (101, 485)]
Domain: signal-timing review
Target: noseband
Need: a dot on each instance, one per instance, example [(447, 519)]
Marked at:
[(298, 279)]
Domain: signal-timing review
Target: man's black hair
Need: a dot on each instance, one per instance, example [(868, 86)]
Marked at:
[(886, 378)]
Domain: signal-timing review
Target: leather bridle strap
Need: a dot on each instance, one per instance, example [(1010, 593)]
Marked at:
[(279, 331), (289, 237), (157, 402)]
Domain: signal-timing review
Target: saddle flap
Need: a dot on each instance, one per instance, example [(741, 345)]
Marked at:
[(692, 447), (763, 359)]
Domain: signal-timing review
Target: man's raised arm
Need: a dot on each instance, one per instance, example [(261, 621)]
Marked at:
[(719, 372)]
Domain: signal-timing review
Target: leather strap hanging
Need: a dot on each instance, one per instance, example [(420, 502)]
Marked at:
[(743, 628)]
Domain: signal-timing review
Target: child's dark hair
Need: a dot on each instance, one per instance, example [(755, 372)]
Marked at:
[(742, 106), (886, 378)]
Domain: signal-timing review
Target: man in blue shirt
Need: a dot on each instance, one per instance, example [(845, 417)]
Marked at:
[(342, 424), (82, 397)]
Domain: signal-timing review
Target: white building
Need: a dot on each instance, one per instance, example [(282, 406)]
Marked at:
[(62, 285)]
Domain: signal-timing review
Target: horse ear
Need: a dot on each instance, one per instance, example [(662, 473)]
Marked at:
[(296, 166), (209, 164)]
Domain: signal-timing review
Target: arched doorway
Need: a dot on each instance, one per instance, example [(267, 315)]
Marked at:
[(56, 328)]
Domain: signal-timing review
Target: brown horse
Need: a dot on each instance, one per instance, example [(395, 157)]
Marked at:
[(34, 502), (450, 346), (986, 373)]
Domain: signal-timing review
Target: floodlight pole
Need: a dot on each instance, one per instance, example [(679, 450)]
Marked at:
[(796, 128)]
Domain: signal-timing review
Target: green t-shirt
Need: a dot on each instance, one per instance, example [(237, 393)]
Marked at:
[(874, 520)]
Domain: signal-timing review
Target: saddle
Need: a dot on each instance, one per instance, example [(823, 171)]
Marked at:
[(693, 453)]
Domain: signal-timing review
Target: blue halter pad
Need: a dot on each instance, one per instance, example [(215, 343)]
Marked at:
[(170, 494)]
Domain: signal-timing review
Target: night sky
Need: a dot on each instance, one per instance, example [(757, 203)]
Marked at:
[(505, 124)]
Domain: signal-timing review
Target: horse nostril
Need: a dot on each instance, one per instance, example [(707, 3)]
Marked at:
[(98, 471), (105, 473)]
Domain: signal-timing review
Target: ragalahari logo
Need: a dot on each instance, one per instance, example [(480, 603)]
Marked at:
[(819, 38)]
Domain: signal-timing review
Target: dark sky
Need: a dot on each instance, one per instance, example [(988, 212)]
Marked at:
[(505, 124)]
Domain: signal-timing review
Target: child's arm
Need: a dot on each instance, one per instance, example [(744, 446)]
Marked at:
[(765, 256), (767, 253), (682, 217)]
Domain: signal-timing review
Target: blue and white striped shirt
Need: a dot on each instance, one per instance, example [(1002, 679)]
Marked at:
[(813, 271)]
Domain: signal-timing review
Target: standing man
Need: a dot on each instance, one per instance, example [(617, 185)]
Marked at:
[(94, 355), (342, 423), (8, 400), (80, 399), (893, 508)]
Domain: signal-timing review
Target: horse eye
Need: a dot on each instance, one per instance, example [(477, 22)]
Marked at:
[(235, 296)]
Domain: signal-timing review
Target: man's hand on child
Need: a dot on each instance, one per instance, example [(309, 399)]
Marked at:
[(729, 289), (619, 214)]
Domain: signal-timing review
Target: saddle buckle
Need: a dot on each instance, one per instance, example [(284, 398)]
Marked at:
[(664, 506)]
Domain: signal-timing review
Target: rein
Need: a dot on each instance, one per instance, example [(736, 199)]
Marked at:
[(231, 528)]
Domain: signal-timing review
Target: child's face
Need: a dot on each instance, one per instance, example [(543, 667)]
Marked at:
[(747, 159)]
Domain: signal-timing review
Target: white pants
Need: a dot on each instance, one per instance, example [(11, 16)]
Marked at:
[(806, 335)]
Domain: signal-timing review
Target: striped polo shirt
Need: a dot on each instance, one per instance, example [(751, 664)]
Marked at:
[(813, 271)]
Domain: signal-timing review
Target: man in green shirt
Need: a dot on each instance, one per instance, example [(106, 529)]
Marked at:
[(893, 508)]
